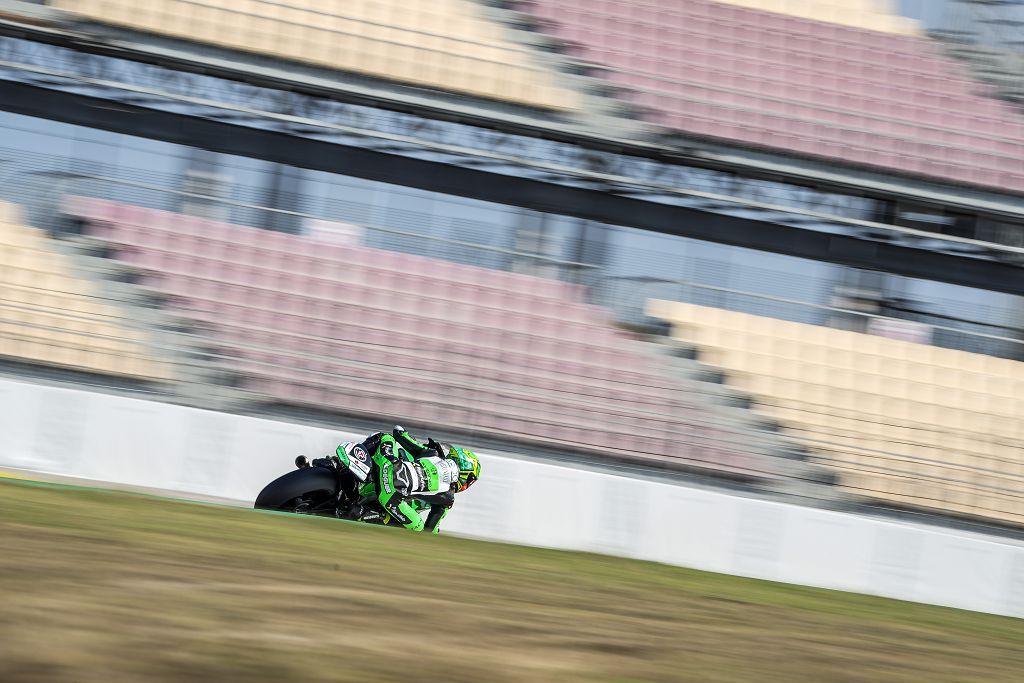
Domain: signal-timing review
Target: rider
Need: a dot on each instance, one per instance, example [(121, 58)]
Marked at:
[(407, 477)]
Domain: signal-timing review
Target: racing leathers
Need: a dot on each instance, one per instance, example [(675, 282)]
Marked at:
[(407, 478)]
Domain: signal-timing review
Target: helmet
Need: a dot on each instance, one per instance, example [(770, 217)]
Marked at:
[(469, 465)]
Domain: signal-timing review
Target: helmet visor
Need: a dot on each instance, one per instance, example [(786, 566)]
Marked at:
[(461, 486)]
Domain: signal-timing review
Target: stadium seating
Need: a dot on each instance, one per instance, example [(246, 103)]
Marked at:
[(873, 15), (440, 44), (910, 424), (50, 316), (776, 81), (378, 333)]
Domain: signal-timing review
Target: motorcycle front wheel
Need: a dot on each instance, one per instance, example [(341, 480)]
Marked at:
[(302, 491)]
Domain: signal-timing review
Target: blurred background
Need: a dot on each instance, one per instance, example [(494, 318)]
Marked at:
[(771, 247)]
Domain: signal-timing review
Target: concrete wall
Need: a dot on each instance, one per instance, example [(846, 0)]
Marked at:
[(140, 443)]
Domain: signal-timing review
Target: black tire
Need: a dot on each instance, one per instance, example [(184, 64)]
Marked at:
[(313, 485)]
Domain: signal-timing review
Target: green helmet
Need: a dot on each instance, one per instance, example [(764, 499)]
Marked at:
[(469, 465)]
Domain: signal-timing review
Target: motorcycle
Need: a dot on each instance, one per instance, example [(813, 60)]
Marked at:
[(327, 487)]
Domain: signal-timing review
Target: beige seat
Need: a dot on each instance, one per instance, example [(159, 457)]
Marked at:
[(442, 44), (873, 15), (48, 315), (909, 424)]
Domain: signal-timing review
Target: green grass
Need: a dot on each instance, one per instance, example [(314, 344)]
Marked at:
[(104, 586)]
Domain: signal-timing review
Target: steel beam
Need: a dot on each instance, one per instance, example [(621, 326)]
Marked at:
[(509, 190)]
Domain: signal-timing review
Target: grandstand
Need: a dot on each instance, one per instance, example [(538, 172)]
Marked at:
[(904, 423), (50, 315), (854, 124), (337, 327)]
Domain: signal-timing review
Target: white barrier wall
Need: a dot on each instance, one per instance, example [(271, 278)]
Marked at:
[(142, 443)]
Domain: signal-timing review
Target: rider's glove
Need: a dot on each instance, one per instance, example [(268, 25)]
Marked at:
[(331, 462), (444, 499)]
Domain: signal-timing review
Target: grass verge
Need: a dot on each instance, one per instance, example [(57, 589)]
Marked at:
[(105, 586)]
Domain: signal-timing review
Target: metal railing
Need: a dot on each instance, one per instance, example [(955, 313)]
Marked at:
[(46, 209), (624, 293)]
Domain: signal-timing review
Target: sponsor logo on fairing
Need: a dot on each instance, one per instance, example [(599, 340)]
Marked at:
[(359, 454)]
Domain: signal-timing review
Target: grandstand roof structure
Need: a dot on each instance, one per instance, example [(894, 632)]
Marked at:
[(565, 143), (587, 105)]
